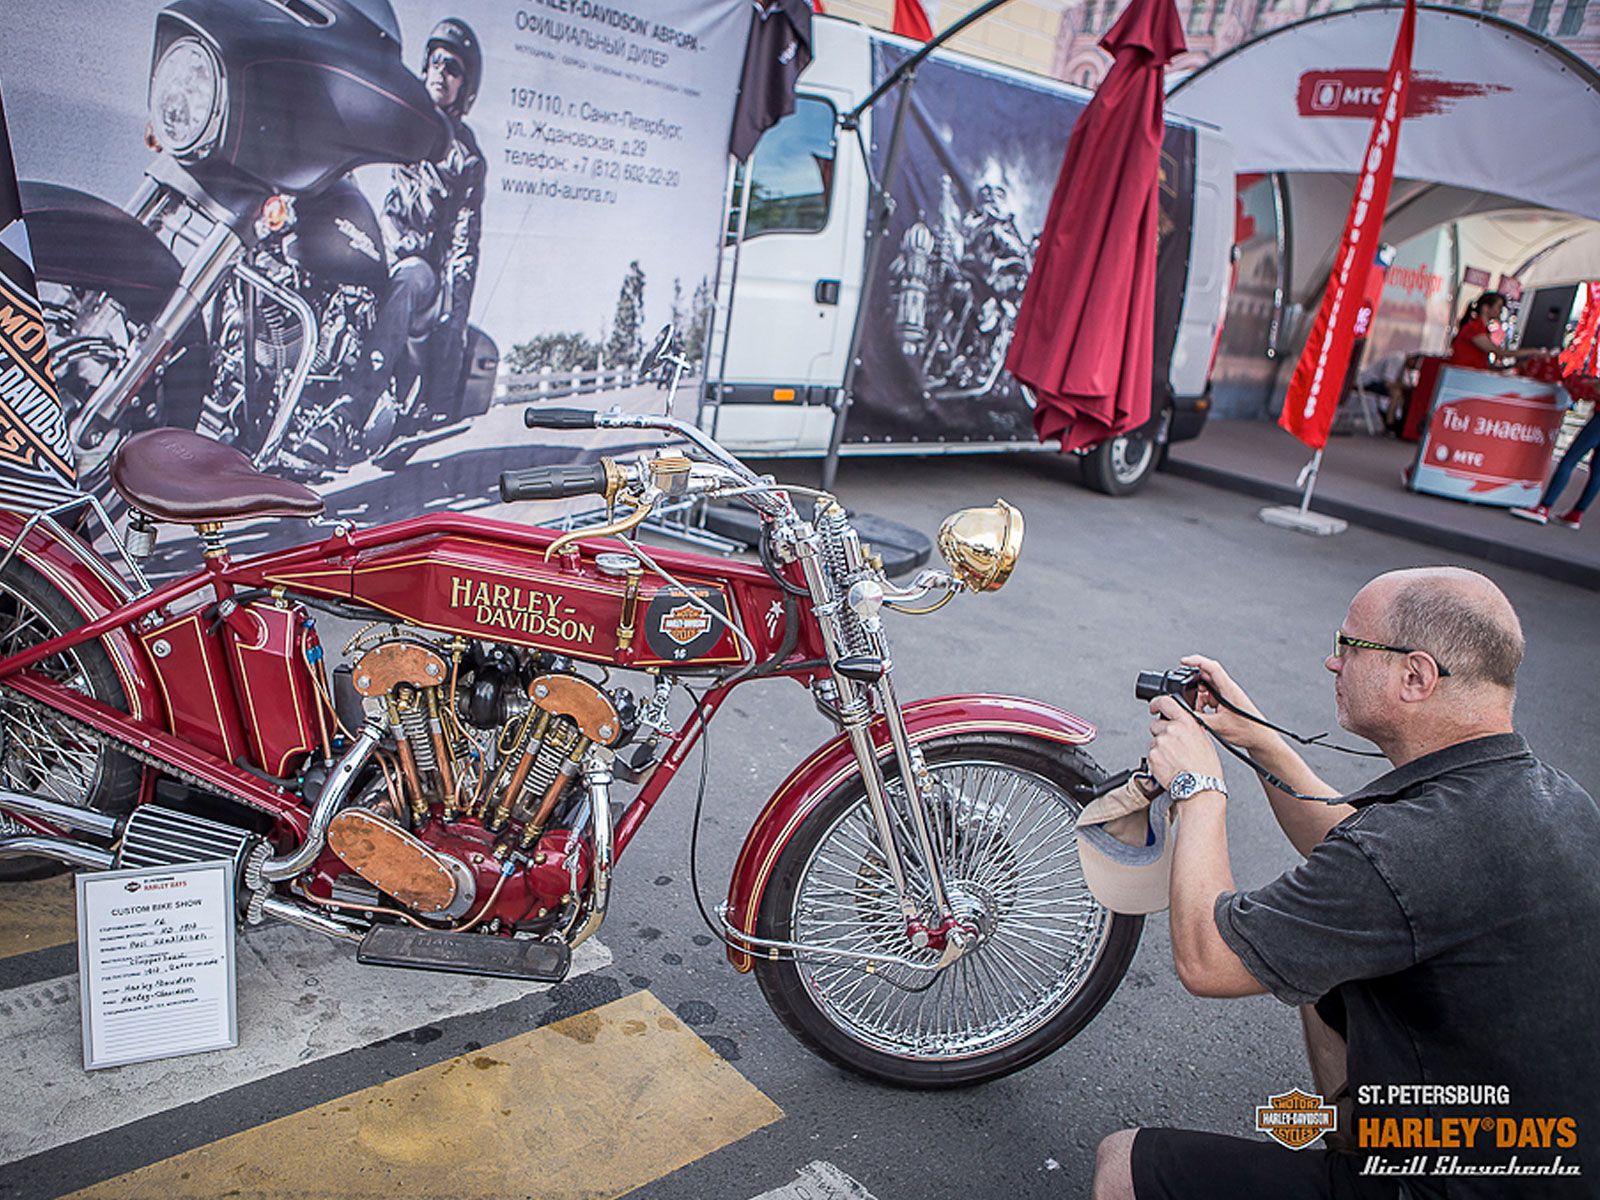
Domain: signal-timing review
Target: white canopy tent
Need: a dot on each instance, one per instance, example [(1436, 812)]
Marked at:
[(1501, 143)]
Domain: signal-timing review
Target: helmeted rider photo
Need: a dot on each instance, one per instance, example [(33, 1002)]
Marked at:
[(432, 219), (996, 257)]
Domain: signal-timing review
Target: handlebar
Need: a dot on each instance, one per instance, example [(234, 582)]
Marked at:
[(560, 418), (553, 483)]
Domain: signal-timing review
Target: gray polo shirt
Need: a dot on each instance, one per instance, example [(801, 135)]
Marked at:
[(1450, 927)]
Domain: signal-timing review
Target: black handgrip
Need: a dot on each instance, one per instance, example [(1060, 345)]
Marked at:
[(558, 418), (553, 483)]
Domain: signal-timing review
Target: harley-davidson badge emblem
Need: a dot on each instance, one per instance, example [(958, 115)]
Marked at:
[(1296, 1119), (685, 623), (685, 628)]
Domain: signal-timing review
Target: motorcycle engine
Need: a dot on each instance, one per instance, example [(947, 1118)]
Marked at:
[(477, 808)]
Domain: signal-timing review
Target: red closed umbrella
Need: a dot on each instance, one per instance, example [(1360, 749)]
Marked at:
[(1085, 334)]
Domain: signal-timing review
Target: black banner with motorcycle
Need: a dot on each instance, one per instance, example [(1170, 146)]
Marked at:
[(35, 461), (345, 237), (962, 237)]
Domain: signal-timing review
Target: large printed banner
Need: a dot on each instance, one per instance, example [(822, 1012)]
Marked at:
[(440, 211), (962, 240), (35, 462)]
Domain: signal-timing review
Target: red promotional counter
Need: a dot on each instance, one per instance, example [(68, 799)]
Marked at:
[(1489, 436)]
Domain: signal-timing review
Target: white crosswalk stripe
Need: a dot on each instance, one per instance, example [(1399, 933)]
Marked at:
[(819, 1180), (301, 998)]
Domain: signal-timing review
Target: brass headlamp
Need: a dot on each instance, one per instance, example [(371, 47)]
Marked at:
[(981, 544)]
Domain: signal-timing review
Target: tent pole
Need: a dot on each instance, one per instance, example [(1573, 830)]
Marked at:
[(735, 179), (883, 206), (882, 209), (909, 67)]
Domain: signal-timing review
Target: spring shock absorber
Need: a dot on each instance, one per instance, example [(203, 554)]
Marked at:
[(835, 530), (443, 753), (558, 763), (411, 743)]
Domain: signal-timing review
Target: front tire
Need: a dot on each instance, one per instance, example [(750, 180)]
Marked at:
[(39, 751), (1049, 955)]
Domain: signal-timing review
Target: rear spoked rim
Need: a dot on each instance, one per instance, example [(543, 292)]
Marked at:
[(1006, 836), (39, 752)]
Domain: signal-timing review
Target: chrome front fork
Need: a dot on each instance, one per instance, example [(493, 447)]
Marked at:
[(210, 263), (941, 929)]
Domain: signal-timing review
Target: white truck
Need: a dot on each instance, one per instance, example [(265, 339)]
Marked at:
[(980, 149)]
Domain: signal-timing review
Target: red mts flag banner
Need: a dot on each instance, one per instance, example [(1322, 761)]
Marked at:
[(910, 21), (1576, 356), (1319, 375)]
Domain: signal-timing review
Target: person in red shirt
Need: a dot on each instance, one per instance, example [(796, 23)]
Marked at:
[(1477, 341)]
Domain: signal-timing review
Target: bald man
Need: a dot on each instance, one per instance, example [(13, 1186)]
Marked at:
[(1445, 920)]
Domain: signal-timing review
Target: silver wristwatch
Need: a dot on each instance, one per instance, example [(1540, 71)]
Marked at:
[(1186, 783)]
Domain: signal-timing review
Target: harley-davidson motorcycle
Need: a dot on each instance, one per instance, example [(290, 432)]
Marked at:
[(237, 287), (454, 789)]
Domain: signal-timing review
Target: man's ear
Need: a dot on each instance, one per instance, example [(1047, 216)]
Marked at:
[(1420, 679)]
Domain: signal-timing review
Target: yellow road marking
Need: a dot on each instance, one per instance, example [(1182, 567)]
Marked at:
[(588, 1108), (37, 915)]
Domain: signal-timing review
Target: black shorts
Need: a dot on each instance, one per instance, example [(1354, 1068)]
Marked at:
[(1181, 1164)]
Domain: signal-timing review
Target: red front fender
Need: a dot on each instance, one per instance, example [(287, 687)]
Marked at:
[(832, 763), (89, 584)]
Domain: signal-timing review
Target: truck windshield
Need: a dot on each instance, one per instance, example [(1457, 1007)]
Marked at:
[(791, 172)]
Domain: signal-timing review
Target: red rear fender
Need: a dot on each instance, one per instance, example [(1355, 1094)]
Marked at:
[(90, 585), (832, 763)]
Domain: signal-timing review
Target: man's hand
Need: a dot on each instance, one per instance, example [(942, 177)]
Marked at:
[(1178, 744), (1215, 682)]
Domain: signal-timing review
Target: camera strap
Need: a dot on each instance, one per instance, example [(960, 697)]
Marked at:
[(1316, 739), (1266, 775)]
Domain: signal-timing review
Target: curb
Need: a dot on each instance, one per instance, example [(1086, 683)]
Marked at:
[(1550, 566)]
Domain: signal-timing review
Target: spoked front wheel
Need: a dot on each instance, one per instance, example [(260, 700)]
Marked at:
[(1048, 955)]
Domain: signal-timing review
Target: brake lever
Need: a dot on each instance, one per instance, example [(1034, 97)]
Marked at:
[(642, 509)]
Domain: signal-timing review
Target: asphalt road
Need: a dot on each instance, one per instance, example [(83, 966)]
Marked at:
[(1104, 588)]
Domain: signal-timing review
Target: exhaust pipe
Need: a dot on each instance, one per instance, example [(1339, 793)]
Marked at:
[(72, 853), (68, 816)]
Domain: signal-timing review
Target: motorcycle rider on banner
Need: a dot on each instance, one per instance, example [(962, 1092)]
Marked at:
[(432, 218), (994, 248)]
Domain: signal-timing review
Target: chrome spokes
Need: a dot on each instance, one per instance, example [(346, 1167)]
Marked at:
[(38, 752), (1006, 841)]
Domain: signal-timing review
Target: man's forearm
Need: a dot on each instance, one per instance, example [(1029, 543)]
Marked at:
[(1304, 822), (1207, 965)]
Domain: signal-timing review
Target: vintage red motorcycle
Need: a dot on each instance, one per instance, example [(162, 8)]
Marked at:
[(446, 794)]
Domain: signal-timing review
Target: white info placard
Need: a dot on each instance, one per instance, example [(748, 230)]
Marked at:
[(156, 962)]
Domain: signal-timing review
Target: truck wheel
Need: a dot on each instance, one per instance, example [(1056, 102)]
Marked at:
[(1120, 466)]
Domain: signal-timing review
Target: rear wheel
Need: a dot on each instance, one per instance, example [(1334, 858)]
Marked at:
[(41, 752), (1048, 956)]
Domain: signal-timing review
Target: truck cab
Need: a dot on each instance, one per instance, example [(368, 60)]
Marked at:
[(971, 182)]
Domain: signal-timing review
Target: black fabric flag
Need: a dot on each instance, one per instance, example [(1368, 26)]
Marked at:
[(778, 50)]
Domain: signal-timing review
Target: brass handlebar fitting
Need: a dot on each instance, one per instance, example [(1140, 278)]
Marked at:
[(641, 510)]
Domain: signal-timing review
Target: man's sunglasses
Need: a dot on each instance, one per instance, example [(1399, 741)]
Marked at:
[(1342, 639), (448, 63)]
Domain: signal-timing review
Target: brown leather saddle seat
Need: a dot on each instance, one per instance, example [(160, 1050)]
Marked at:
[(182, 476)]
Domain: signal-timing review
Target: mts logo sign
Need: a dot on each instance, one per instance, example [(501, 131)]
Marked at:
[(1338, 96), (1358, 93)]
